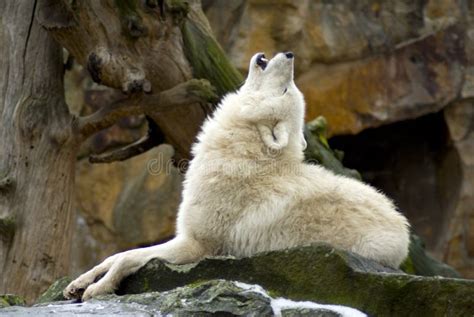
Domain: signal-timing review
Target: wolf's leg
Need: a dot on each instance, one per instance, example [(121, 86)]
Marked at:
[(76, 288), (179, 250), (276, 138), (266, 135), (281, 133)]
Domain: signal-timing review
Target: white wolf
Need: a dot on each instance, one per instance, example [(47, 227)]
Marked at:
[(248, 190)]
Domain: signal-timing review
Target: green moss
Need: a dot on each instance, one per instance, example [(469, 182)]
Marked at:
[(208, 59), (407, 266), (146, 285), (7, 300), (195, 283)]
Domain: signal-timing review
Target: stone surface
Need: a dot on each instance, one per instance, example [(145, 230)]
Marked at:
[(411, 81), (212, 298), (323, 31), (321, 274)]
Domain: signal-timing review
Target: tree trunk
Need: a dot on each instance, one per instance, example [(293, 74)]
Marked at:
[(37, 155), (145, 46)]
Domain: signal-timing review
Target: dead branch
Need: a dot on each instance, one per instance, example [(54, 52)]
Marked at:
[(153, 138), (144, 144), (192, 91)]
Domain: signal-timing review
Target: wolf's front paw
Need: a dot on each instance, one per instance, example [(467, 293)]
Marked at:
[(75, 289), (97, 289)]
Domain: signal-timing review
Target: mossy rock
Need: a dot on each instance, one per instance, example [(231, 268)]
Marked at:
[(322, 274), (215, 297), (7, 300), (210, 298), (55, 291)]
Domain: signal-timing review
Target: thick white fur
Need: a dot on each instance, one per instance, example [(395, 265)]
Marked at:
[(247, 190)]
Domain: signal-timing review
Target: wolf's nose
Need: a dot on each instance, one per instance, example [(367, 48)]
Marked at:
[(289, 54)]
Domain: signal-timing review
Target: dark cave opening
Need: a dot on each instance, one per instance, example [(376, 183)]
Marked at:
[(415, 164)]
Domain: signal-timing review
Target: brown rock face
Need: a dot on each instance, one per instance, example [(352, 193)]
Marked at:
[(412, 81), (360, 64), (459, 240)]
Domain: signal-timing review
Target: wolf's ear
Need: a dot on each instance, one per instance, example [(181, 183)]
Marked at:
[(258, 62)]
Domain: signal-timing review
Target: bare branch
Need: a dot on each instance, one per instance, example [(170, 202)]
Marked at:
[(153, 138), (144, 144), (192, 91)]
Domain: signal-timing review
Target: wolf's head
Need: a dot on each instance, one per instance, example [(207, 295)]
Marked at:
[(268, 97), (274, 77)]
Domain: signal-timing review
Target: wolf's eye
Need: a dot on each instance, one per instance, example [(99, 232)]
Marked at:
[(286, 89)]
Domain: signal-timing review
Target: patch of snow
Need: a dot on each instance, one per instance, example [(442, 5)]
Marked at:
[(283, 303), (252, 288), (280, 304)]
